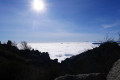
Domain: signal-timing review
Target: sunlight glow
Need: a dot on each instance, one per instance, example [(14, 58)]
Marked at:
[(38, 5)]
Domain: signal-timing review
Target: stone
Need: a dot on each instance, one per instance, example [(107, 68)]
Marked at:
[(91, 76), (114, 73)]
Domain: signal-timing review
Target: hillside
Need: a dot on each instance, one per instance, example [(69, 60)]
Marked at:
[(30, 64), (26, 64), (97, 60)]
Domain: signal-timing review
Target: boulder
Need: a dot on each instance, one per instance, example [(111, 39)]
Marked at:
[(114, 73), (91, 76)]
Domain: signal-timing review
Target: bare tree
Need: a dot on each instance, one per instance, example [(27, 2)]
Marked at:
[(14, 44), (24, 45), (118, 36), (108, 39)]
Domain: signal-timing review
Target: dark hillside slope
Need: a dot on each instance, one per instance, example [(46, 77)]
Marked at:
[(30, 64), (97, 60), (27, 64)]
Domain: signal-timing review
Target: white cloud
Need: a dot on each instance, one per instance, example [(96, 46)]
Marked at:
[(110, 25), (63, 50)]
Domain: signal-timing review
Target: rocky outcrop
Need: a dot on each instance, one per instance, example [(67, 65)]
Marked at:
[(114, 73), (92, 76)]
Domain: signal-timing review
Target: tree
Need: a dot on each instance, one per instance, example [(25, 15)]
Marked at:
[(108, 39), (14, 44), (24, 45), (119, 36), (9, 43)]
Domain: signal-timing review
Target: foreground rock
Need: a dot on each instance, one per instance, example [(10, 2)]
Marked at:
[(92, 76), (114, 73)]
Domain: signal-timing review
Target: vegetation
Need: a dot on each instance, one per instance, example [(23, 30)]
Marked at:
[(30, 64), (26, 63)]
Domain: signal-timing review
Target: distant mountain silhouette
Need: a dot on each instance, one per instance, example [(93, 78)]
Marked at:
[(30, 64)]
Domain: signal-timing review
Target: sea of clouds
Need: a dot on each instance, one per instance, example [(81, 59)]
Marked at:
[(63, 50)]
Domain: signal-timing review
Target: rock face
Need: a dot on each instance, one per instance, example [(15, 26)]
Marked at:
[(114, 73), (92, 76)]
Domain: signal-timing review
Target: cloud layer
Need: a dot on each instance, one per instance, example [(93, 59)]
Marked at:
[(63, 50)]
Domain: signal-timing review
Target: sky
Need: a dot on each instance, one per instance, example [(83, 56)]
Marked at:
[(60, 21)]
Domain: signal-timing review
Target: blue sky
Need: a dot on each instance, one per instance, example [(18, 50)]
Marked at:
[(62, 20)]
